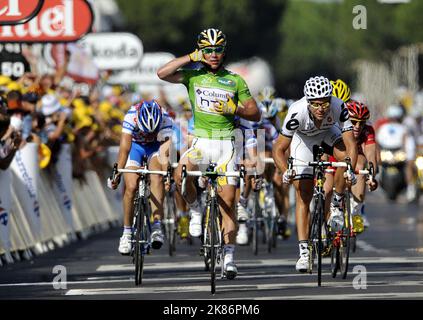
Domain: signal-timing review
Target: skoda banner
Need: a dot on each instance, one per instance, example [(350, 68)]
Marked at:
[(26, 175), (62, 186), (5, 207), (145, 73), (113, 51)]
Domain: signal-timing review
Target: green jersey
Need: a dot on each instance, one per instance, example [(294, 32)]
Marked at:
[(205, 89)]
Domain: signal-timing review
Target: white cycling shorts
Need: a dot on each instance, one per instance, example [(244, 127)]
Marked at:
[(220, 152), (302, 149)]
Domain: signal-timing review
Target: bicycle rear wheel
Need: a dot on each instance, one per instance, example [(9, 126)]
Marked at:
[(344, 249), (140, 237)]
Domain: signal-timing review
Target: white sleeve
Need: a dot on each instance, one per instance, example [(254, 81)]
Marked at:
[(343, 117), (129, 125), (292, 121)]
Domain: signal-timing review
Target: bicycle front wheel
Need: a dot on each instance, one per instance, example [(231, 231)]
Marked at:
[(140, 237), (214, 239), (315, 238)]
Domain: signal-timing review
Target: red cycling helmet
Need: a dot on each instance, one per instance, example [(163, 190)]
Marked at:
[(358, 110)]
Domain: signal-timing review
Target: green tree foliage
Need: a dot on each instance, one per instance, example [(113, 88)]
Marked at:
[(299, 38)]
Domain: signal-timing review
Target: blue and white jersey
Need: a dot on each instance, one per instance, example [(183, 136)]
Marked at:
[(271, 130), (247, 128), (129, 126)]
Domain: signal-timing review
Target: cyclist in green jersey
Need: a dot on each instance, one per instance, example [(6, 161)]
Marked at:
[(214, 94)]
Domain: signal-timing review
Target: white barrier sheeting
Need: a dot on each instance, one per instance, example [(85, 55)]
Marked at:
[(43, 210)]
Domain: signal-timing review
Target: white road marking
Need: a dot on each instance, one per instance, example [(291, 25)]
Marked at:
[(392, 295), (363, 245), (193, 278), (252, 263), (245, 287)]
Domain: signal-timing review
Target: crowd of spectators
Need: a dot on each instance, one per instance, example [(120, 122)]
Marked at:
[(51, 110)]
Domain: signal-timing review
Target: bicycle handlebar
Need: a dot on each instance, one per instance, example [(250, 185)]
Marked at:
[(143, 171), (236, 174)]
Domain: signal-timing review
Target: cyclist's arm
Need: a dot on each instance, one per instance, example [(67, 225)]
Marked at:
[(351, 146), (165, 150), (279, 149), (124, 148), (249, 110), (169, 72), (370, 152)]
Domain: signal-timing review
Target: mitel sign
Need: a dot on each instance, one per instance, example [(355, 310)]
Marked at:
[(57, 21), (113, 51), (18, 11)]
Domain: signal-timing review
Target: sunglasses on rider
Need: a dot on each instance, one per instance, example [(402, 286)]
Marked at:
[(360, 123), (218, 50), (316, 105)]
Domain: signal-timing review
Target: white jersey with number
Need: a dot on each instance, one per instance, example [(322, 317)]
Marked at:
[(300, 120), (299, 125)]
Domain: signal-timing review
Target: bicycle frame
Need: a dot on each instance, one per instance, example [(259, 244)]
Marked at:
[(141, 222), (212, 235)]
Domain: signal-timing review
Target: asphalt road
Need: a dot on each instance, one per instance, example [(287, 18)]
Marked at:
[(388, 264)]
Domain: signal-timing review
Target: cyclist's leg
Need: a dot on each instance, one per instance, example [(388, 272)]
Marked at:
[(358, 191), (224, 155), (242, 212), (131, 185), (328, 187), (301, 150), (335, 146), (182, 214), (157, 161), (191, 158), (226, 204), (304, 194)]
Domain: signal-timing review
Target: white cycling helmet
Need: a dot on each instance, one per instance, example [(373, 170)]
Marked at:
[(317, 88), (395, 112), (266, 102)]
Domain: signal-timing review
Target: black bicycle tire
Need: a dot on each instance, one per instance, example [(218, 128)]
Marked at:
[(255, 224), (320, 207), (354, 243), (213, 242), (170, 227), (346, 241), (334, 261), (139, 255), (312, 236)]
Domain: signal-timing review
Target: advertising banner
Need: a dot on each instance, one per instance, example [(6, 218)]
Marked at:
[(26, 169), (57, 21), (113, 50), (62, 185), (5, 208), (146, 71), (18, 11)]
